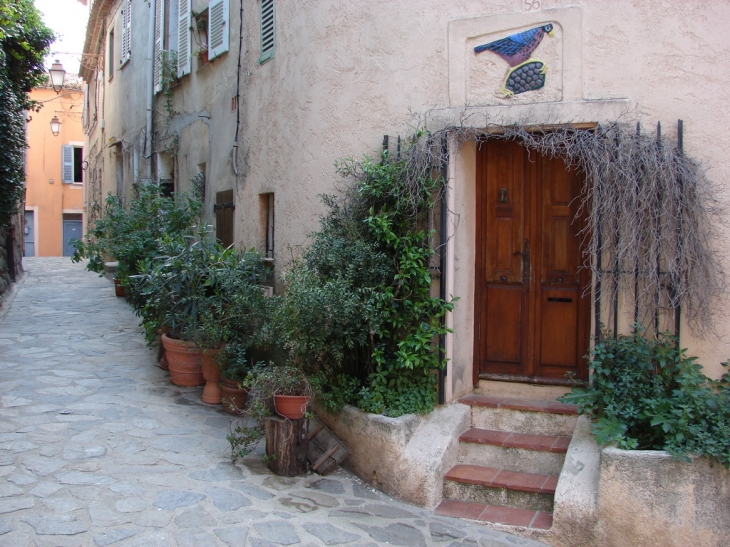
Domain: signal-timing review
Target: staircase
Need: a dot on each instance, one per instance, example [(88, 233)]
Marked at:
[(509, 461)]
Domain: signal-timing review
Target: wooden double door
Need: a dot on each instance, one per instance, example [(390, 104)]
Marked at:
[(532, 310)]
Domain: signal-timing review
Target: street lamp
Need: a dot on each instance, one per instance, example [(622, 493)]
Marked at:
[(55, 126), (57, 74)]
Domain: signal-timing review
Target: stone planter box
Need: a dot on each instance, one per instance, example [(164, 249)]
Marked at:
[(404, 457), (611, 497)]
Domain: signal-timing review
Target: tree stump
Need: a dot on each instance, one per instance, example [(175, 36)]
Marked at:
[(287, 444)]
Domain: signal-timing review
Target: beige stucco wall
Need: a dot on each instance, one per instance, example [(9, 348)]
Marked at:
[(346, 74), (46, 195)]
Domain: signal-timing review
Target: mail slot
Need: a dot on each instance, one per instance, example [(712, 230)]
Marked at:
[(560, 299)]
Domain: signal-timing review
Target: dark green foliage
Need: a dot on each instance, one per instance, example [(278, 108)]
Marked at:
[(358, 310), (24, 41), (648, 395), (130, 236)]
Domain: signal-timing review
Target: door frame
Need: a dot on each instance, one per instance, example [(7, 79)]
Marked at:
[(584, 327)]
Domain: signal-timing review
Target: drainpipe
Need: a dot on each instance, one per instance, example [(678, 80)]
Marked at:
[(150, 88), (442, 264)]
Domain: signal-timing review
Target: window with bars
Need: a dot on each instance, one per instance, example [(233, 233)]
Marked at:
[(268, 30)]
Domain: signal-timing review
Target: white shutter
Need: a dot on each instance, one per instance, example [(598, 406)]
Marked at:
[(218, 23), (159, 36), (268, 30), (67, 169), (183, 38), (126, 32)]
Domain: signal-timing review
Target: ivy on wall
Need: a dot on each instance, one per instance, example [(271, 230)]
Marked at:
[(24, 40)]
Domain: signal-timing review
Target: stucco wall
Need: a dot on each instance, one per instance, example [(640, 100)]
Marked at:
[(46, 195), (345, 74)]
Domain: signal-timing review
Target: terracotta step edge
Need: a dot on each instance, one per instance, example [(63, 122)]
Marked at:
[(513, 403), (539, 520), (520, 481), (561, 441)]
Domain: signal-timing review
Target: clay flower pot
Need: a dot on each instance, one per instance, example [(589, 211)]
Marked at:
[(291, 406), (161, 357), (119, 288), (233, 397), (211, 374), (184, 362)]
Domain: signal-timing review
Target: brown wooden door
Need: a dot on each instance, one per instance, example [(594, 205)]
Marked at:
[(532, 317)]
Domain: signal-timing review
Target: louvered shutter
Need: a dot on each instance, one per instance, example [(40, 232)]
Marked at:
[(267, 30), (67, 169), (159, 36), (127, 32), (183, 38), (218, 23)]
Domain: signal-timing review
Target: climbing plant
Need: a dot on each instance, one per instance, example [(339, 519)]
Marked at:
[(24, 40), (358, 312)]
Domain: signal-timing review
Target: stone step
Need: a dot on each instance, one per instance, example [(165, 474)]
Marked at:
[(541, 520), (512, 451), (495, 486), (522, 415)]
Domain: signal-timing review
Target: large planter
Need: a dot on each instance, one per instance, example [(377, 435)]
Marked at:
[(232, 397), (291, 406), (211, 374), (184, 362)]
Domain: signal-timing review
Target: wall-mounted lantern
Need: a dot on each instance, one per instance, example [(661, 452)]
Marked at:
[(57, 73), (55, 126)]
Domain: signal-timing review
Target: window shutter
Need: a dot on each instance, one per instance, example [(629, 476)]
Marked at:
[(218, 23), (126, 32), (159, 36), (267, 30), (67, 169), (183, 36)]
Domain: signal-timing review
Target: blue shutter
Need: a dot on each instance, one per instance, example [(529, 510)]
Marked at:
[(67, 158)]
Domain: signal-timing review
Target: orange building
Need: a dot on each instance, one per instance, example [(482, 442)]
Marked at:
[(55, 172)]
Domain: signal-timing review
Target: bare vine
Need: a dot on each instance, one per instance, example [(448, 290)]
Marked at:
[(652, 214)]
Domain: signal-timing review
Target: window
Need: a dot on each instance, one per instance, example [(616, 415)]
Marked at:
[(126, 32), (267, 30), (218, 23), (72, 171), (267, 201), (111, 54)]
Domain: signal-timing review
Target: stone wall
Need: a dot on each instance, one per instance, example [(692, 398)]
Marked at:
[(14, 235)]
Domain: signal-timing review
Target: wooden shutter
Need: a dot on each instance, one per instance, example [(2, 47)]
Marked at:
[(67, 158), (224, 208), (126, 32), (183, 38), (159, 36), (267, 30), (218, 23)]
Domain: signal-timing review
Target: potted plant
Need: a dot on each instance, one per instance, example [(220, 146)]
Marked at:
[(234, 374), (284, 387)]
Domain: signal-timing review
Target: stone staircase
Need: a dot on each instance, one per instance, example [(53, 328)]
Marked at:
[(509, 461)]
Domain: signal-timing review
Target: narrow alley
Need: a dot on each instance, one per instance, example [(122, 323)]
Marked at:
[(97, 447)]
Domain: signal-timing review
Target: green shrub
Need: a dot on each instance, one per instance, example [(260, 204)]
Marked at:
[(648, 395)]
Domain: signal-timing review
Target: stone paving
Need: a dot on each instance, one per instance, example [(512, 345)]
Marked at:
[(98, 448)]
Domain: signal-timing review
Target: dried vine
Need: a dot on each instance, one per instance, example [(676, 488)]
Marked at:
[(652, 215)]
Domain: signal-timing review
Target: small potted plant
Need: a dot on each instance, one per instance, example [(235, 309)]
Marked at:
[(234, 375), (286, 387)]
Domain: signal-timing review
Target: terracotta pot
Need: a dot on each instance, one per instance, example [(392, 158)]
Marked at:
[(212, 374), (184, 362), (291, 406), (232, 396), (161, 349), (119, 288)]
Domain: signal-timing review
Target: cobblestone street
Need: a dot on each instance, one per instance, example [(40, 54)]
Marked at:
[(97, 447)]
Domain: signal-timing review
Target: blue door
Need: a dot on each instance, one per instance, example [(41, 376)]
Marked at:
[(71, 230)]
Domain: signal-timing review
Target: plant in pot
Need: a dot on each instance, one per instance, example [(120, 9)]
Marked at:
[(235, 372), (269, 385), (228, 310)]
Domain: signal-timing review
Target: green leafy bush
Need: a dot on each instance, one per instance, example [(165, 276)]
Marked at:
[(131, 235), (648, 395), (358, 311)]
